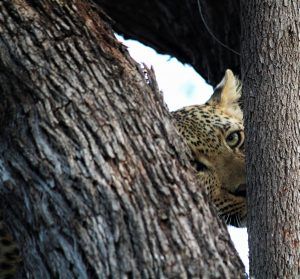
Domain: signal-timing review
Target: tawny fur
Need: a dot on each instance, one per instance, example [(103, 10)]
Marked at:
[(208, 130)]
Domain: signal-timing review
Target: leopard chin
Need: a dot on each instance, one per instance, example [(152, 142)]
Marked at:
[(238, 217), (235, 220)]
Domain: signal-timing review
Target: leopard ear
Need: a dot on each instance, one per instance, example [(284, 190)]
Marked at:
[(227, 92)]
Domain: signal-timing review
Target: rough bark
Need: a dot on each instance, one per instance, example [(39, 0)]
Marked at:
[(270, 59), (177, 28), (95, 182)]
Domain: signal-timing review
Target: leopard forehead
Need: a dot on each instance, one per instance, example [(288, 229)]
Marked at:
[(204, 125)]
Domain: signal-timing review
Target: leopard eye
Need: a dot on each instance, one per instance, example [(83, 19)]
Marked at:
[(234, 139)]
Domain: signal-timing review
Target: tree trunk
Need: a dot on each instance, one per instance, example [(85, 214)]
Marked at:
[(207, 38), (95, 181), (270, 60)]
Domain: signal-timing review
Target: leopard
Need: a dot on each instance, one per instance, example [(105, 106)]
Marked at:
[(214, 133)]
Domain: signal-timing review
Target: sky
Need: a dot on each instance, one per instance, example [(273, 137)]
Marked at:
[(182, 86)]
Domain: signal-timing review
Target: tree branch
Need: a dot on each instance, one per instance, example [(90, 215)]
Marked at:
[(177, 28), (95, 181)]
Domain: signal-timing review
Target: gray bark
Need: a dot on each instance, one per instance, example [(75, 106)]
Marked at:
[(95, 181), (270, 58)]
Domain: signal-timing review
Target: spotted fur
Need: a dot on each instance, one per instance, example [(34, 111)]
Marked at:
[(215, 134)]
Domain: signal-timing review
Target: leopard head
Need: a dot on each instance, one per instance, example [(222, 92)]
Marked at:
[(214, 132)]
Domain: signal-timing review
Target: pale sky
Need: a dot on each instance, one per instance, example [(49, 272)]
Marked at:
[(182, 86)]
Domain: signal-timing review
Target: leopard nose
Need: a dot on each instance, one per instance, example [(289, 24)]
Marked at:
[(241, 191)]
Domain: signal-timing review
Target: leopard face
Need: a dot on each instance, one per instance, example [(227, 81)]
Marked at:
[(215, 134)]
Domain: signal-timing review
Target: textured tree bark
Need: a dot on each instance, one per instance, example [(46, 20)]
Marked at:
[(177, 28), (270, 59), (95, 181)]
